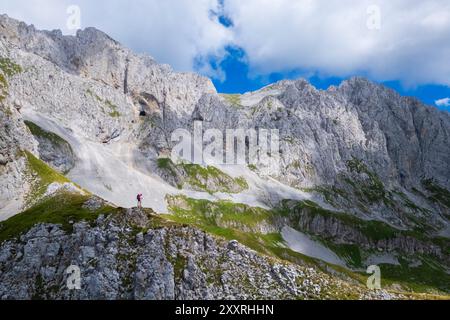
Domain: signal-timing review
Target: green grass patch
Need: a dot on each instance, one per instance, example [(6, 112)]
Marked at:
[(198, 176), (217, 214), (374, 230), (112, 109), (3, 87), (205, 215), (62, 209), (233, 99), (240, 181), (165, 163), (8, 68), (427, 277), (42, 175), (203, 178), (438, 193)]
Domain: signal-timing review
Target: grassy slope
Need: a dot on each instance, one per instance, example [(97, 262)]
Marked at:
[(233, 99), (197, 176), (42, 176), (429, 277), (63, 209)]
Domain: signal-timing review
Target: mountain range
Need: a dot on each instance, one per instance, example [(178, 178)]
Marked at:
[(363, 179)]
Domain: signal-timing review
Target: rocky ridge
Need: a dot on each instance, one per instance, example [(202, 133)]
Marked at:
[(134, 254)]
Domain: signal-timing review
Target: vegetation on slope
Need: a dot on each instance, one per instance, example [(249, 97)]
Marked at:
[(233, 99), (363, 191), (438, 193), (8, 68), (219, 214), (209, 179), (111, 109), (373, 230), (42, 176), (39, 132), (418, 272), (370, 189), (63, 209), (240, 222), (227, 220)]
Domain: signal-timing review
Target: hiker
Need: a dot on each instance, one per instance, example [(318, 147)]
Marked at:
[(139, 200)]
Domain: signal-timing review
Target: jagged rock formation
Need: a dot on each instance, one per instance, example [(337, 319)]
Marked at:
[(14, 137), (396, 139)]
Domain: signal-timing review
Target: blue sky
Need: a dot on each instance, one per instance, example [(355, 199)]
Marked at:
[(244, 45), (237, 78)]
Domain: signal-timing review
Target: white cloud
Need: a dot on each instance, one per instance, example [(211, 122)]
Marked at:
[(328, 37), (443, 102), (172, 31), (331, 37)]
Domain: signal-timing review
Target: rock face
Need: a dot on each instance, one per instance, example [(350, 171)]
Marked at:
[(53, 149), (14, 137), (321, 132), (198, 178), (333, 229), (119, 261)]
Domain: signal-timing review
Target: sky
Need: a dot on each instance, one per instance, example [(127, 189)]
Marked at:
[(245, 45)]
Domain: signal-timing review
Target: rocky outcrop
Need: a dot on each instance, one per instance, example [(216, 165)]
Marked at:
[(136, 255), (14, 138), (53, 149), (379, 237), (198, 178)]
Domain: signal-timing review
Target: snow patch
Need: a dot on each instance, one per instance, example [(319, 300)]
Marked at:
[(300, 242), (384, 258)]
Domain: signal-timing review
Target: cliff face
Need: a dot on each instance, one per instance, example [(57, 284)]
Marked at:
[(102, 115)]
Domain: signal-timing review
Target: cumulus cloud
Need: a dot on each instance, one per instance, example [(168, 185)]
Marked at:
[(406, 40), (173, 31), (443, 102), (341, 38)]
